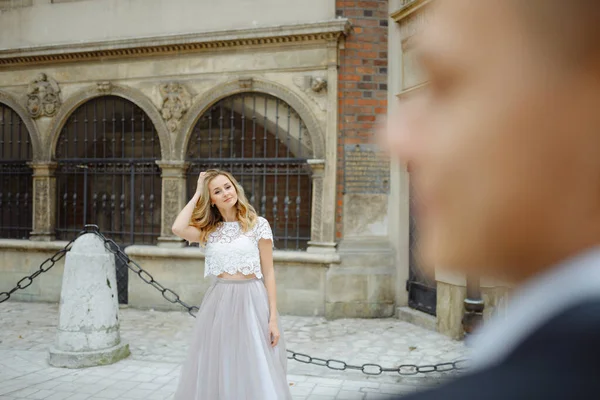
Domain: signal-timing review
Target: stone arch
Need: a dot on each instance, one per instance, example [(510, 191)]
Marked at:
[(34, 134), (230, 88), (107, 89)]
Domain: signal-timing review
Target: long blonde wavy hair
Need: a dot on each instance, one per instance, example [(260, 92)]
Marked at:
[(207, 218)]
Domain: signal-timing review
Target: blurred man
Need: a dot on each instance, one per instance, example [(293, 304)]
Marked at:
[(504, 150)]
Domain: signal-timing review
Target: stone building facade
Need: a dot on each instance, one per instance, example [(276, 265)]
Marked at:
[(109, 109)]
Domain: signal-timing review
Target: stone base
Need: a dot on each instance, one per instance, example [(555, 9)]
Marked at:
[(83, 359), (363, 285), (320, 247), (416, 317)]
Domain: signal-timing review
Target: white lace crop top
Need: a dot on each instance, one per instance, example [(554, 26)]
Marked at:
[(229, 250)]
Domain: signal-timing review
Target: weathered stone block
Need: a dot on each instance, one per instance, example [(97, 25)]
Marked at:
[(342, 287), (300, 279), (365, 215), (88, 326), (450, 307), (381, 288)]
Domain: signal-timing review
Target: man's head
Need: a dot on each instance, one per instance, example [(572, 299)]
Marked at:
[(504, 142)]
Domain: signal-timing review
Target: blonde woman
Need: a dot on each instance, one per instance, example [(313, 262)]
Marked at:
[(237, 351)]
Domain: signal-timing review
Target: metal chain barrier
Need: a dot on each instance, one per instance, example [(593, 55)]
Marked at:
[(172, 297), (144, 275), (376, 369)]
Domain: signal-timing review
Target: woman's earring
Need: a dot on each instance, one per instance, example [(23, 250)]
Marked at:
[(212, 205)]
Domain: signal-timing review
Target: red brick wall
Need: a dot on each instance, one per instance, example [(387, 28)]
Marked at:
[(362, 79)]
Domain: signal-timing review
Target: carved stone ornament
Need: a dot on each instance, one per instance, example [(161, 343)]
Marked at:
[(245, 83), (318, 84), (40, 215), (176, 101), (172, 203), (104, 87), (43, 97), (315, 87)]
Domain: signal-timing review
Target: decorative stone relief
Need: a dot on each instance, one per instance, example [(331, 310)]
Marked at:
[(44, 191), (171, 194), (40, 198), (306, 138), (176, 101), (245, 83), (317, 167), (317, 222), (315, 87), (43, 97), (104, 87), (318, 84)]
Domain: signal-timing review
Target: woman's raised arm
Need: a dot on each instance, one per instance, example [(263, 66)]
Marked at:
[(181, 227)]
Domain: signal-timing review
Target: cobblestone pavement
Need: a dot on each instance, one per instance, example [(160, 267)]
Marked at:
[(158, 342)]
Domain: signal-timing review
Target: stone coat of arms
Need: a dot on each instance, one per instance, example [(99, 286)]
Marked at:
[(43, 97), (176, 101)]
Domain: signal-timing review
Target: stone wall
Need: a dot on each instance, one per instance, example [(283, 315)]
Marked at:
[(285, 67), (21, 258), (43, 23), (301, 277), (363, 285), (299, 52), (362, 85)]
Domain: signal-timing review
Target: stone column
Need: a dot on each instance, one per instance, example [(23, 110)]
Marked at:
[(173, 200), (329, 174), (319, 240), (44, 201)]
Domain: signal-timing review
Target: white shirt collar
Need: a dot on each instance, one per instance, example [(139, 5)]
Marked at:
[(571, 282)]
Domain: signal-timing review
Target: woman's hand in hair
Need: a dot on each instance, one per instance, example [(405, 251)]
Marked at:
[(200, 186)]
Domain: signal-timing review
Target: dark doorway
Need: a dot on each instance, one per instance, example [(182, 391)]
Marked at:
[(422, 293)]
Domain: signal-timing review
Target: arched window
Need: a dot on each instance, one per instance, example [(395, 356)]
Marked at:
[(263, 142), (15, 176), (107, 173)]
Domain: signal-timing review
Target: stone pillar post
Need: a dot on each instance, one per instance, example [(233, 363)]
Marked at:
[(88, 326), (173, 200), (319, 240), (452, 291), (44, 201)]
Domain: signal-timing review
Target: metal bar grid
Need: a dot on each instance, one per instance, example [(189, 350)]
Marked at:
[(261, 140), (16, 177)]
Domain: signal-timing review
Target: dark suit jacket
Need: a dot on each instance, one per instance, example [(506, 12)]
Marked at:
[(560, 360)]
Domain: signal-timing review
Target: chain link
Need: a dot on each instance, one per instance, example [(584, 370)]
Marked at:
[(376, 369), (144, 275), (172, 297)]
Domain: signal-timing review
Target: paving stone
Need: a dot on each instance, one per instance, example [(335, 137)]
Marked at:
[(159, 341)]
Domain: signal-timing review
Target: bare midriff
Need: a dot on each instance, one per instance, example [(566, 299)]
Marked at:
[(237, 275)]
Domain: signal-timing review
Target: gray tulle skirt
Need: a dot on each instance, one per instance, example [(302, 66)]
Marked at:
[(230, 356)]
